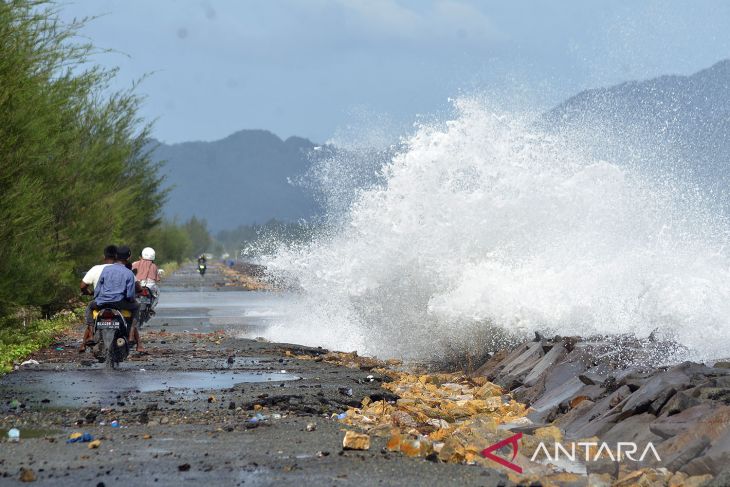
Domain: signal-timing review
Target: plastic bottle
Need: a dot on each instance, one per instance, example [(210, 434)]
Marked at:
[(14, 435)]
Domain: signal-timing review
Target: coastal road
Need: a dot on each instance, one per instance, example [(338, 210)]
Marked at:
[(208, 405)]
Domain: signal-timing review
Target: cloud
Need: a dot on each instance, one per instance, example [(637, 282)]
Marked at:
[(432, 22)]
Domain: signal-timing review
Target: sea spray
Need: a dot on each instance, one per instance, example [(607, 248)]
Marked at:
[(485, 228)]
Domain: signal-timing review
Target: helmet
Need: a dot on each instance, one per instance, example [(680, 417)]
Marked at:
[(148, 253)]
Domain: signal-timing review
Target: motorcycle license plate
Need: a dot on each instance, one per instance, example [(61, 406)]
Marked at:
[(107, 325)]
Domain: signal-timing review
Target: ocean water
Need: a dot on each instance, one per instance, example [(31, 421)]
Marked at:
[(482, 228)]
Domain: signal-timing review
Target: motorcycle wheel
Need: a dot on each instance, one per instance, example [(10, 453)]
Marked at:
[(111, 359)]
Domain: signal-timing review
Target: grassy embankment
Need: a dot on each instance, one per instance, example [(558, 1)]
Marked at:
[(20, 337)]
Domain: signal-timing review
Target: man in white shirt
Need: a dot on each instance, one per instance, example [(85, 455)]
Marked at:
[(90, 281)]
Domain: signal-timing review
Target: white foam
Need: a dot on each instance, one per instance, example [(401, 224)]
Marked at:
[(484, 220)]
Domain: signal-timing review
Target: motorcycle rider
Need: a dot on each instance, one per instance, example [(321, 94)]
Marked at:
[(117, 288), (202, 264), (147, 273), (90, 280)]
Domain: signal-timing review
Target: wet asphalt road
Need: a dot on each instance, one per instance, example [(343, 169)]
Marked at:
[(185, 413)]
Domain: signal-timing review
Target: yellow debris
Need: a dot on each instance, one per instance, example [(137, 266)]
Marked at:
[(355, 441)]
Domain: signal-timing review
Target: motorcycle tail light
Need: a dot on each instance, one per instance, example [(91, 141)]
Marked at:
[(107, 314)]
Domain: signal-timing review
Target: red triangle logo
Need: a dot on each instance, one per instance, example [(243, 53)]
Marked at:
[(512, 440)]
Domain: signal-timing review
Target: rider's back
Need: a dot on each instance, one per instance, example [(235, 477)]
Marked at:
[(116, 283), (146, 270)]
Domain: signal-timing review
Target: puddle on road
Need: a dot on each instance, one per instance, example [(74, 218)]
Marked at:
[(104, 388)]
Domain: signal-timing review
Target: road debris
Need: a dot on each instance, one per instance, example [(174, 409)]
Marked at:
[(79, 438), (27, 475), (355, 441)]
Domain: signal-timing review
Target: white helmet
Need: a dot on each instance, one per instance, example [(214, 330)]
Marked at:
[(148, 253)]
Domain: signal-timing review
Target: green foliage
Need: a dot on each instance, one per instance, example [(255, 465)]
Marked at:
[(37, 333), (171, 243), (175, 242), (75, 169), (199, 236)]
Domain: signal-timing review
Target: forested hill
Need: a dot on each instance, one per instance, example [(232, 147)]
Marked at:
[(241, 179), (658, 121)]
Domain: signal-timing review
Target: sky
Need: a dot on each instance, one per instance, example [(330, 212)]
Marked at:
[(333, 69)]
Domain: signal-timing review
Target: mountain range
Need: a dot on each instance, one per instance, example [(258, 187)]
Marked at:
[(678, 124), (242, 179), (681, 121)]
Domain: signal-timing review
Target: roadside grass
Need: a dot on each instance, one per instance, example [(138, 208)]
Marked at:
[(169, 267), (19, 338)]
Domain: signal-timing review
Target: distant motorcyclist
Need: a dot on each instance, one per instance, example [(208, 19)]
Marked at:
[(117, 289), (202, 264), (147, 273), (89, 281)]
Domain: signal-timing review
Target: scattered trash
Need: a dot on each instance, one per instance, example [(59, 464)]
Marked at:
[(311, 426), (14, 435), (276, 416), (211, 399), (342, 416), (257, 417), (115, 424), (79, 438), (345, 391), (321, 454), (142, 370), (283, 371), (94, 445), (355, 441), (14, 404), (370, 378), (30, 362), (26, 475), (147, 437)]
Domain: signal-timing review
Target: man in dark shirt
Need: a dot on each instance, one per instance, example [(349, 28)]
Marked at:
[(117, 289)]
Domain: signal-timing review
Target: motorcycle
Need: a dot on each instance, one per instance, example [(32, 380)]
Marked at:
[(147, 300), (202, 268), (145, 306), (110, 334)]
